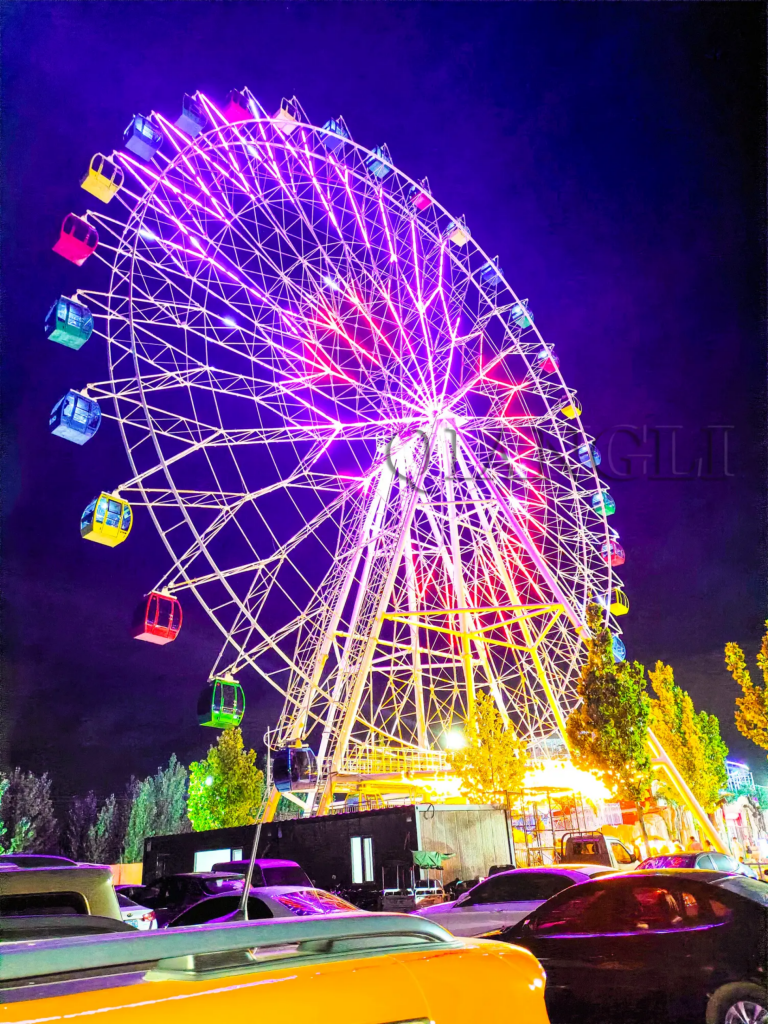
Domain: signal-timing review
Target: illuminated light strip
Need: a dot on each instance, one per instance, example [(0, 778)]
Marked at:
[(315, 182), (294, 199), (357, 302), (333, 326), (164, 179), (286, 316), (344, 175), (405, 335), (188, 143), (165, 243)]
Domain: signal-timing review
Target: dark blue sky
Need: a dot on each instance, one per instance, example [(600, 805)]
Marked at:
[(611, 154)]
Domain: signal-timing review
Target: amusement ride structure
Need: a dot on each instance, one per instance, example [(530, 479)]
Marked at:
[(360, 453)]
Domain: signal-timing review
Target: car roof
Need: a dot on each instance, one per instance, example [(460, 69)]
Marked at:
[(587, 869), (268, 862), (551, 869), (202, 875), (703, 875)]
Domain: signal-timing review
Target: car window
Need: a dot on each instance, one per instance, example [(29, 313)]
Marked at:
[(45, 903), (622, 854), (704, 862), (700, 906), (723, 862), (752, 888), (576, 913), (285, 875), (213, 886), (218, 906), (520, 887), (619, 909), (124, 902), (313, 901)]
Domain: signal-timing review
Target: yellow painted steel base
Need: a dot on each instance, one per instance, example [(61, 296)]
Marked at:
[(270, 806), (663, 761)]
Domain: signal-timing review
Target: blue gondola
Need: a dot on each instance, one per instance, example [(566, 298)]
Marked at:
[(491, 273), (589, 455), (69, 323), (75, 417), (294, 769), (618, 649), (142, 138), (193, 119), (337, 135), (377, 162)]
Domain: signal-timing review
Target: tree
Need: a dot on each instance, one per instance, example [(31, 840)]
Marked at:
[(102, 845), (81, 816), (158, 808), (26, 811), (752, 706), (16, 841), (226, 788), (692, 740), (608, 731), (493, 762)]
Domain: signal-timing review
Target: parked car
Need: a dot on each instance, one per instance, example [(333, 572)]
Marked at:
[(134, 914), (48, 902), (267, 871), (264, 904), (170, 896), (505, 898), (595, 848), (458, 886), (661, 945), (337, 969), (710, 861)]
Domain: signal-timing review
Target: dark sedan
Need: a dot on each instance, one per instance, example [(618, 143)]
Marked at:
[(685, 945)]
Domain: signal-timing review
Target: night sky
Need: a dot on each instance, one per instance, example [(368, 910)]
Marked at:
[(611, 154)]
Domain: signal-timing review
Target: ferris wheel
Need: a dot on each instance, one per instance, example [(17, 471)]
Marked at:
[(361, 455)]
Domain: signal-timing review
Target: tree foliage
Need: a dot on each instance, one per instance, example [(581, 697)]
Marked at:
[(692, 740), (493, 762), (27, 815), (158, 808), (226, 788), (81, 816), (752, 706), (608, 731)]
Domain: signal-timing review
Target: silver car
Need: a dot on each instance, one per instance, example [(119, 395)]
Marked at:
[(507, 897)]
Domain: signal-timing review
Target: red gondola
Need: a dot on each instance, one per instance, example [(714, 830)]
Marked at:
[(157, 618), (77, 240)]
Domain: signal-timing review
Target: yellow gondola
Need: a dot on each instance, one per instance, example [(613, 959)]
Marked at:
[(619, 603), (103, 178), (107, 520), (571, 408)]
